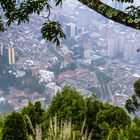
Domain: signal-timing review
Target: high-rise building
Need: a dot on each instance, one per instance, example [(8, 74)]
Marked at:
[(11, 55), (7, 54), (137, 41), (110, 31), (112, 47), (1, 49), (127, 52), (71, 30), (130, 49), (121, 41), (104, 31)]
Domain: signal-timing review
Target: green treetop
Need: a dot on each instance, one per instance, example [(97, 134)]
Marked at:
[(68, 104), (14, 128)]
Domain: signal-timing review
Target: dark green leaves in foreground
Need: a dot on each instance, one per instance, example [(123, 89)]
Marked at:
[(132, 104), (14, 128), (20, 12), (134, 11), (126, 1), (102, 121), (52, 31), (2, 29)]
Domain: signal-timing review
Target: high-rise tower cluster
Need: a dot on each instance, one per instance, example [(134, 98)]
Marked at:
[(122, 46)]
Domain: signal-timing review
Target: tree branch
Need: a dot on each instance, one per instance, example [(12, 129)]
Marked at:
[(112, 13)]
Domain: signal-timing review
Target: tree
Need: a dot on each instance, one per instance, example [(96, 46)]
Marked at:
[(1, 126), (131, 18), (113, 134), (33, 115), (14, 128), (100, 118), (20, 11), (31, 83), (137, 87), (68, 104), (132, 104), (34, 112), (133, 132), (114, 117), (93, 107)]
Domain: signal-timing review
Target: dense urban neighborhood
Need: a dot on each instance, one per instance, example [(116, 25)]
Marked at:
[(98, 56)]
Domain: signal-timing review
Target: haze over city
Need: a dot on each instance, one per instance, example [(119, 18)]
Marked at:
[(98, 56)]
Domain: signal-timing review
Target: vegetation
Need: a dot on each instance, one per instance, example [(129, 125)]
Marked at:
[(57, 69), (28, 81), (14, 128), (68, 104), (31, 83), (65, 131), (71, 116), (34, 112), (132, 104), (99, 62), (78, 117), (102, 77)]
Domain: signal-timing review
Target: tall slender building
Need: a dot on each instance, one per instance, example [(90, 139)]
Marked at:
[(71, 30), (7, 55), (130, 49), (11, 55), (1, 49), (112, 47), (122, 41)]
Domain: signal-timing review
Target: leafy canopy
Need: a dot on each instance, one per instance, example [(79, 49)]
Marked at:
[(132, 104), (99, 117), (14, 128)]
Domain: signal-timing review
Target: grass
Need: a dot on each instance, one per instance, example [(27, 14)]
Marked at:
[(59, 131)]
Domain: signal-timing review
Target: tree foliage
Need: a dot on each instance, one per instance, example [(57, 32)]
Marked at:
[(31, 83), (99, 117), (113, 134), (130, 18), (14, 128), (114, 116), (137, 87), (99, 121), (34, 112), (68, 104), (1, 126), (132, 104), (133, 132), (93, 107)]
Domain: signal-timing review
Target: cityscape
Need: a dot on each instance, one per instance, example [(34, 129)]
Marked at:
[(98, 56)]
